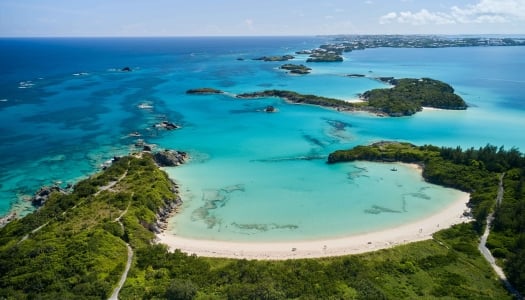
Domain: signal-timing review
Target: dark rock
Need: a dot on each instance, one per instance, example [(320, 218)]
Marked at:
[(170, 158), (146, 148), (126, 69), (8, 218), (204, 91), (109, 162), (42, 195), (166, 125), (164, 213), (269, 109), (389, 80)]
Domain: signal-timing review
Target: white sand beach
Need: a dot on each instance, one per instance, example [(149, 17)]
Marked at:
[(411, 232), (354, 100)]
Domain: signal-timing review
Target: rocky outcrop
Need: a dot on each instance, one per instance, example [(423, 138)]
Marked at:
[(388, 80), (165, 212), (275, 58), (126, 69), (204, 91), (109, 162), (166, 125), (270, 109), (170, 158), (43, 194), (8, 218)]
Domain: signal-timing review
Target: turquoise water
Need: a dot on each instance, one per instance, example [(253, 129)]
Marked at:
[(253, 175)]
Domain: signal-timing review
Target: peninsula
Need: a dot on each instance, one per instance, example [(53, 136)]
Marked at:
[(407, 97), (348, 43), (77, 244)]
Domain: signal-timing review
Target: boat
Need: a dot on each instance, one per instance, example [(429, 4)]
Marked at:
[(393, 169)]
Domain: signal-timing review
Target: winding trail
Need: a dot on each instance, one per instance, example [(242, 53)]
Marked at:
[(103, 188), (486, 252), (116, 291), (114, 295)]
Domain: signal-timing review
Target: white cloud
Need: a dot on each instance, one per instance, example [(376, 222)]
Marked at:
[(249, 23), (485, 11), (419, 18)]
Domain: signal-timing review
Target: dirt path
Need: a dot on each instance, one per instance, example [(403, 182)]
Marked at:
[(486, 252), (114, 295)]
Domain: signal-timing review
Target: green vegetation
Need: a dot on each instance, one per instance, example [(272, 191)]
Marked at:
[(205, 90), (296, 69), (300, 98), (80, 249), (449, 266), (408, 96), (474, 171), (324, 57), (507, 238), (72, 247), (275, 58)]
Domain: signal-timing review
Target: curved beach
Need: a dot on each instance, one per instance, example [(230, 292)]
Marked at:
[(411, 232)]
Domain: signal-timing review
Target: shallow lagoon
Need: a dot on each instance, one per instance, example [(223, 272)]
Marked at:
[(248, 164)]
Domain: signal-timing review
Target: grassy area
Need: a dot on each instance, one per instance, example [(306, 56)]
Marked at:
[(80, 252)]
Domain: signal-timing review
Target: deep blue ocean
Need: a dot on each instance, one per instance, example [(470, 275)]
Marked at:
[(66, 107)]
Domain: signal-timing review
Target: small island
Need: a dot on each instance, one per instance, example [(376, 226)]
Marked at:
[(300, 98), (325, 56), (356, 75), (407, 97), (296, 69), (325, 53), (275, 58), (204, 91), (89, 238)]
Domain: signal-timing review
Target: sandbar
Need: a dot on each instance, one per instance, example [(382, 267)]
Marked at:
[(354, 244)]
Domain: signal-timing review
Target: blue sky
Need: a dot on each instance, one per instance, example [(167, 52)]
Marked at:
[(258, 17)]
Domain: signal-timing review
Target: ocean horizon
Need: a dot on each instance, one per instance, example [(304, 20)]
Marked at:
[(66, 107)]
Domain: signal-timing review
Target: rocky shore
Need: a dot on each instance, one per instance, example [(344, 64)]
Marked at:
[(8, 218), (43, 194), (170, 158), (165, 212)]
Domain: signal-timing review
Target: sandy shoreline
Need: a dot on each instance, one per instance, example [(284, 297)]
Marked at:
[(416, 231)]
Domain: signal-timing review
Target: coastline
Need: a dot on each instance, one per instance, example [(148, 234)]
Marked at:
[(418, 230)]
